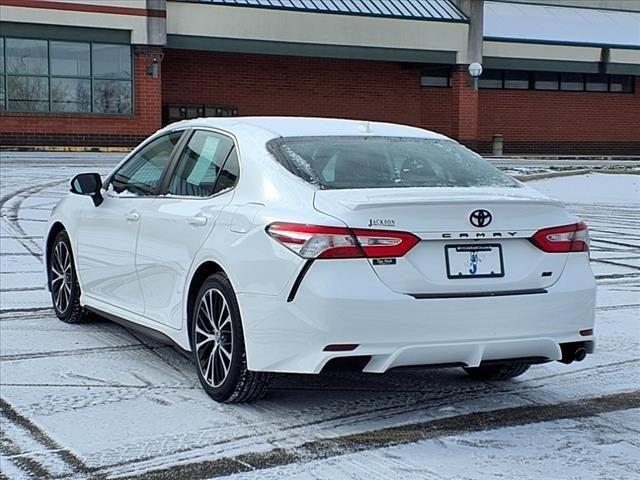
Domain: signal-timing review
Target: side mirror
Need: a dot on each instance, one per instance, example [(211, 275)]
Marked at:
[(88, 184)]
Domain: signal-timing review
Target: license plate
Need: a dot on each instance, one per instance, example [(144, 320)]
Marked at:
[(474, 261)]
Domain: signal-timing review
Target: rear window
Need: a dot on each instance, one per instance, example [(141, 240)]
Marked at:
[(385, 162)]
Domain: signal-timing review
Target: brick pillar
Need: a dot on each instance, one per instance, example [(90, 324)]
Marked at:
[(148, 83), (465, 108)]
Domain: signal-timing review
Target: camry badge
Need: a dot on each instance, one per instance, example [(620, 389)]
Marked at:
[(480, 218)]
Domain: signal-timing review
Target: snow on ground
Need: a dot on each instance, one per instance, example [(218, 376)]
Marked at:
[(594, 188), (98, 401)]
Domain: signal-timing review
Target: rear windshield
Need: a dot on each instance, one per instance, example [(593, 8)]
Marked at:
[(384, 162)]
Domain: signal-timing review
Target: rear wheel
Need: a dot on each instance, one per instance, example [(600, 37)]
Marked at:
[(217, 344), (502, 371), (63, 281)]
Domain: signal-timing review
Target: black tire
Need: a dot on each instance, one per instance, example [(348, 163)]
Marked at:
[(498, 372), (238, 385), (60, 259)]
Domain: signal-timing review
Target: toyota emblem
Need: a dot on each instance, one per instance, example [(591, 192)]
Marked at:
[(480, 218)]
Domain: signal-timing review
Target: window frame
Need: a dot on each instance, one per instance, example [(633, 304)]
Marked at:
[(177, 149), (532, 81), (177, 155), (433, 72), (4, 77)]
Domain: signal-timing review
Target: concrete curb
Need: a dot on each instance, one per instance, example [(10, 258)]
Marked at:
[(68, 149), (570, 173)]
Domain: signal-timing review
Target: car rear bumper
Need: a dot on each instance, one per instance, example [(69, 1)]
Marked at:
[(350, 305)]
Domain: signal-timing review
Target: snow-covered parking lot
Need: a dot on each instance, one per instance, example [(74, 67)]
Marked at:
[(97, 401)]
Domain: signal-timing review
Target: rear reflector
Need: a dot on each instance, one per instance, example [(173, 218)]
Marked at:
[(586, 332), (315, 241), (341, 347), (564, 239)]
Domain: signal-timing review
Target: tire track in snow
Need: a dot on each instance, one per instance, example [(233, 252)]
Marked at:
[(387, 437)]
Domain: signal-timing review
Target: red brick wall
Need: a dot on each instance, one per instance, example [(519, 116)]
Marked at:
[(281, 85), (531, 121), (94, 129), (539, 121)]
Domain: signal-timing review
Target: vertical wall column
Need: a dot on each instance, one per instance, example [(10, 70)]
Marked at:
[(464, 107), (148, 84)]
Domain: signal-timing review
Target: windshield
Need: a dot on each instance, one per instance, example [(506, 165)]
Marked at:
[(385, 162)]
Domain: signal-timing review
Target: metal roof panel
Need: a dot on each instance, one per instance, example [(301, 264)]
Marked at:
[(439, 10)]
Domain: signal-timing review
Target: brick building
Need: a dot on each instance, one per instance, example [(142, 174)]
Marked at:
[(559, 76)]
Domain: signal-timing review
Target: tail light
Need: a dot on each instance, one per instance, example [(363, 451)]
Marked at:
[(564, 239), (314, 241)]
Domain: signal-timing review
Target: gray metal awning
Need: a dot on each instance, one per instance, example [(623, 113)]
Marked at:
[(439, 10), (529, 23)]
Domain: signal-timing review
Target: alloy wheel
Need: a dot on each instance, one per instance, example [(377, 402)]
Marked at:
[(62, 276), (214, 337)]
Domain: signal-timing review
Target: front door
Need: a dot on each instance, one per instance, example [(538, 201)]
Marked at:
[(108, 235)]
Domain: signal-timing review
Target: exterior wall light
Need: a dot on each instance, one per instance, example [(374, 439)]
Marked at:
[(475, 70), (153, 66)]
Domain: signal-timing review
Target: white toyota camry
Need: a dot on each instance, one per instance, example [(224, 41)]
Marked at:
[(287, 244)]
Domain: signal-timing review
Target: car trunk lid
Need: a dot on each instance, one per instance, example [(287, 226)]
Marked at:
[(455, 256)]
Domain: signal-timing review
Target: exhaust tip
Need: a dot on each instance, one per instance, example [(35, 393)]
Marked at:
[(580, 354)]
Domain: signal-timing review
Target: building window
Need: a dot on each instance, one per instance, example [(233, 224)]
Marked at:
[(596, 82), (516, 79), (566, 81), (70, 77), (572, 82), (490, 79), (546, 81), (621, 83), (438, 76)]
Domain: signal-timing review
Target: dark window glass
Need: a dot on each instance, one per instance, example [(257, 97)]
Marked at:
[(142, 173), (597, 82), (1, 55), (516, 79), (112, 96), (622, 83), (200, 165), (28, 94), (228, 177), (70, 95), (111, 61), (490, 79), (436, 77), (546, 81), (27, 57), (572, 81), (2, 96), (70, 59), (385, 162)]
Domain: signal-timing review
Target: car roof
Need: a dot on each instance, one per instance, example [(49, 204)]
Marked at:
[(274, 127)]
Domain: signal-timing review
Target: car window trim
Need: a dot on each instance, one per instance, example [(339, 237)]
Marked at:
[(138, 149), (173, 162), (173, 165)]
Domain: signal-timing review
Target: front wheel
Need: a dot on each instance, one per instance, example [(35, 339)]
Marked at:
[(63, 281), (502, 371), (217, 345)]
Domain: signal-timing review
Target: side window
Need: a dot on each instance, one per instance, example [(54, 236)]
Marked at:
[(229, 174), (201, 165), (141, 175)]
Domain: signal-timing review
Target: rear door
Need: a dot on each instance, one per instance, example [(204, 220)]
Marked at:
[(177, 223)]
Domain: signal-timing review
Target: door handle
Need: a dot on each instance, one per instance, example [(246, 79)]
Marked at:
[(132, 216), (197, 220)]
